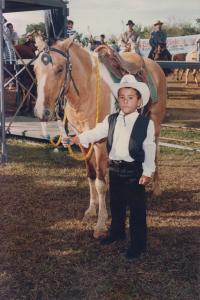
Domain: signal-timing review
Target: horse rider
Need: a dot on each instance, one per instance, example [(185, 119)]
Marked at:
[(71, 33), (158, 38), (130, 39), (102, 39)]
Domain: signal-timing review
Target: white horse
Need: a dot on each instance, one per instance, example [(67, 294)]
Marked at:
[(192, 56)]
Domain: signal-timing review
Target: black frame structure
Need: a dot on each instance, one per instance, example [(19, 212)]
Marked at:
[(8, 6), (30, 5)]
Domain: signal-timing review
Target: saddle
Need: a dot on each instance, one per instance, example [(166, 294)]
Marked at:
[(119, 66)]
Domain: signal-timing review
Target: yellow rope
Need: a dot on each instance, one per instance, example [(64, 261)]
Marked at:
[(58, 141), (71, 153)]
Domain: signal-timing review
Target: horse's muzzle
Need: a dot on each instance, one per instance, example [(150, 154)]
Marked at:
[(44, 115)]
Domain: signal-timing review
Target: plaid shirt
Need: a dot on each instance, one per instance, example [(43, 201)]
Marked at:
[(8, 51)]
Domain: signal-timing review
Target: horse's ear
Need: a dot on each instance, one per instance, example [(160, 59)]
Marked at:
[(39, 41), (66, 43)]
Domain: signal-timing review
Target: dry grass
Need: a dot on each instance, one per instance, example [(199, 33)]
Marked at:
[(47, 252), (183, 104)]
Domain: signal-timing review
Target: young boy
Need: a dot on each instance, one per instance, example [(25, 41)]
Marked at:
[(131, 149)]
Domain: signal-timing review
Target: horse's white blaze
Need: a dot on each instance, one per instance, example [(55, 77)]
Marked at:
[(39, 107)]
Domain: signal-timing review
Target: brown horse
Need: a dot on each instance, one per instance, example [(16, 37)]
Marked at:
[(162, 54), (25, 51), (86, 102), (178, 73)]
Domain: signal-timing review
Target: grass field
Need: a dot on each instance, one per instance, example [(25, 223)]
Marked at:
[(47, 252)]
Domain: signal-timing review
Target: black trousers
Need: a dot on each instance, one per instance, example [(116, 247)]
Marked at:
[(125, 191)]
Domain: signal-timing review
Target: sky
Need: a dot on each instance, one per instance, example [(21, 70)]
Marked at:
[(110, 16)]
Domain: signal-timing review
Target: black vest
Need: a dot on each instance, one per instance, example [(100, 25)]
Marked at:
[(137, 137)]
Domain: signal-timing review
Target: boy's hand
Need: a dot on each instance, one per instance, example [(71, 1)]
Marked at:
[(144, 180), (75, 140), (68, 141)]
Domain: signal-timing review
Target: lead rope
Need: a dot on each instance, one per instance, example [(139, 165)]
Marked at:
[(71, 153)]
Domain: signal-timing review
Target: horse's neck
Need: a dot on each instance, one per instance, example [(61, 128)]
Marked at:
[(81, 102)]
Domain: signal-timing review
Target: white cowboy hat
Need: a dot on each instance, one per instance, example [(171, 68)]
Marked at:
[(130, 81)]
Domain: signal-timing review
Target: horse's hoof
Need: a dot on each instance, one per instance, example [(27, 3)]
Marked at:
[(100, 234), (156, 193), (88, 218)]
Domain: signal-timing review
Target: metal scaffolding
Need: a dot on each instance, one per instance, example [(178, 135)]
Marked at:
[(18, 6)]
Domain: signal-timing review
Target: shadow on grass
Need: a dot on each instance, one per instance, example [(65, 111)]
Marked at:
[(41, 155)]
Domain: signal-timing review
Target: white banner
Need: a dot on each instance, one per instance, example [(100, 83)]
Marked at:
[(178, 44)]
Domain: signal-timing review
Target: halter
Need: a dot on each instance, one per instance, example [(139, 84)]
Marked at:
[(46, 59)]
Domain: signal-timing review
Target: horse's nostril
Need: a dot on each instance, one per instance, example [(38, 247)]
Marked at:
[(47, 113)]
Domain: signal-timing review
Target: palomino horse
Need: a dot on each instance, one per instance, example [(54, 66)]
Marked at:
[(66, 68), (192, 57)]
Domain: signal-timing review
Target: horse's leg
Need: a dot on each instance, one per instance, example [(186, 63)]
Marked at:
[(194, 73), (156, 180), (175, 74), (101, 226), (181, 74), (101, 188), (186, 76), (91, 174), (91, 212), (44, 130)]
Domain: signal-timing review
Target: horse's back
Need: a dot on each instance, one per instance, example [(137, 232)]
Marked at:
[(132, 57), (152, 67), (192, 56), (179, 56), (155, 70)]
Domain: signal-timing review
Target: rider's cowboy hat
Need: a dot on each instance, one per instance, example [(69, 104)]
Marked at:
[(130, 22), (158, 23), (129, 81)]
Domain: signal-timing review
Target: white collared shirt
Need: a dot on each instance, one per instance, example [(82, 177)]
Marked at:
[(121, 137)]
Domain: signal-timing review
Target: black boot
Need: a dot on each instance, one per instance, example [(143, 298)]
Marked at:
[(132, 252), (111, 239)]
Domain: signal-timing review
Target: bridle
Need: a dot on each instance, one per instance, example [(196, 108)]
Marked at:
[(68, 78), (46, 59)]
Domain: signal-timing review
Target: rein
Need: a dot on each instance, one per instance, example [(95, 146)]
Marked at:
[(87, 156), (46, 59)]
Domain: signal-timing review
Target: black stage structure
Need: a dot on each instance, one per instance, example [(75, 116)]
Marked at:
[(53, 8)]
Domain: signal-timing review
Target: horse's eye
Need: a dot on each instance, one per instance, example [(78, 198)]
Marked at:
[(59, 70)]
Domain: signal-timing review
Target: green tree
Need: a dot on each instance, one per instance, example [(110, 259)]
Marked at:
[(36, 27)]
